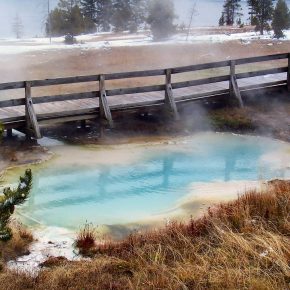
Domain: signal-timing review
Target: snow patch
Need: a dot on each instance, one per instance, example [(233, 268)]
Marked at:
[(108, 40), (50, 242)]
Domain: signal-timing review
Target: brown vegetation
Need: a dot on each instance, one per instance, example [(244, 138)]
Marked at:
[(18, 245), (244, 244), (232, 119), (86, 240)]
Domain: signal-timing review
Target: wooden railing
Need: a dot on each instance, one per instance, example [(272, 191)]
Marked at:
[(31, 120)]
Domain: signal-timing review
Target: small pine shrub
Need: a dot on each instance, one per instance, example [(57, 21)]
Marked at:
[(10, 199)]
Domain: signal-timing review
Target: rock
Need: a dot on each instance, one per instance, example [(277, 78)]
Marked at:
[(26, 253), (54, 262)]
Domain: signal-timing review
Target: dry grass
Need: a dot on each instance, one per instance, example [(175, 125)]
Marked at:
[(232, 119), (244, 244), (86, 239), (18, 245)]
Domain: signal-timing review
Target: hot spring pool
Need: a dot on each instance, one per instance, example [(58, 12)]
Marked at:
[(119, 185)]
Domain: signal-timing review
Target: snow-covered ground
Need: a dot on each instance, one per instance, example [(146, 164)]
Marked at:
[(107, 41), (50, 242)]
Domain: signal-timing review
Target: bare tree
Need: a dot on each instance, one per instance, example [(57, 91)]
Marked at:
[(48, 20), (193, 12), (17, 26)]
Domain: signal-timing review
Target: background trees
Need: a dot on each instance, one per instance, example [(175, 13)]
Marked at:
[(251, 7), (231, 11), (281, 19), (139, 11), (89, 12), (121, 15), (104, 14), (262, 14), (82, 16), (17, 27), (67, 18)]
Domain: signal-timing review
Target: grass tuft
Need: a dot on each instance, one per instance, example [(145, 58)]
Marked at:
[(86, 240), (19, 243)]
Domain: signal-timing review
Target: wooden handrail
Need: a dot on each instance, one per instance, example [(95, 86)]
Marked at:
[(136, 74)]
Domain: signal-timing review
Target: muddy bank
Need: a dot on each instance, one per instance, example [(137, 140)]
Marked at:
[(18, 152), (269, 117)]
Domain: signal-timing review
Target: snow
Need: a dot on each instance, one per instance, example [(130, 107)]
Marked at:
[(108, 40), (22, 185), (50, 242)]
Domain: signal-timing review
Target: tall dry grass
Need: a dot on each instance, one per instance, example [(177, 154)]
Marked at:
[(19, 243), (244, 244)]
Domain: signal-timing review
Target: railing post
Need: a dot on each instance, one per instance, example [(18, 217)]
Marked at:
[(32, 127), (232, 73), (288, 73), (169, 98), (105, 112), (234, 88)]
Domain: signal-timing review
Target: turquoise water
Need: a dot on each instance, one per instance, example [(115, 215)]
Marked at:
[(69, 195)]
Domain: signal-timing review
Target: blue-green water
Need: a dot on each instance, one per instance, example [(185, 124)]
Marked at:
[(68, 196)]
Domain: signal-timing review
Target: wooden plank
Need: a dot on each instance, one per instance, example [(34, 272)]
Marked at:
[(66, 80), (135, 90), (12, 85), (169, 98), (200, 96), (67, 116), (56, 120), (105, 112), (135, 105), (264, 86), (30, 116), (197, 67), (234, 88), (134, 74), (200, 82), (262, 72), (261, 58), (12, 103), (65, 97)]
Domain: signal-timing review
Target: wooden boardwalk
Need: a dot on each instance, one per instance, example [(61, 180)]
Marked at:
[(28, 113)]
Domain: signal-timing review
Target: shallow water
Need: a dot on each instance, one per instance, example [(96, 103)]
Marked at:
[(148, 180)]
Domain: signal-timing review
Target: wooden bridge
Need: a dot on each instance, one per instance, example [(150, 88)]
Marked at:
[(28, 113)]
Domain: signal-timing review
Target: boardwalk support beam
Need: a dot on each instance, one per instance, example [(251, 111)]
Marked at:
[(105, 112), (169, 98), (32, 127), (234, 88)]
